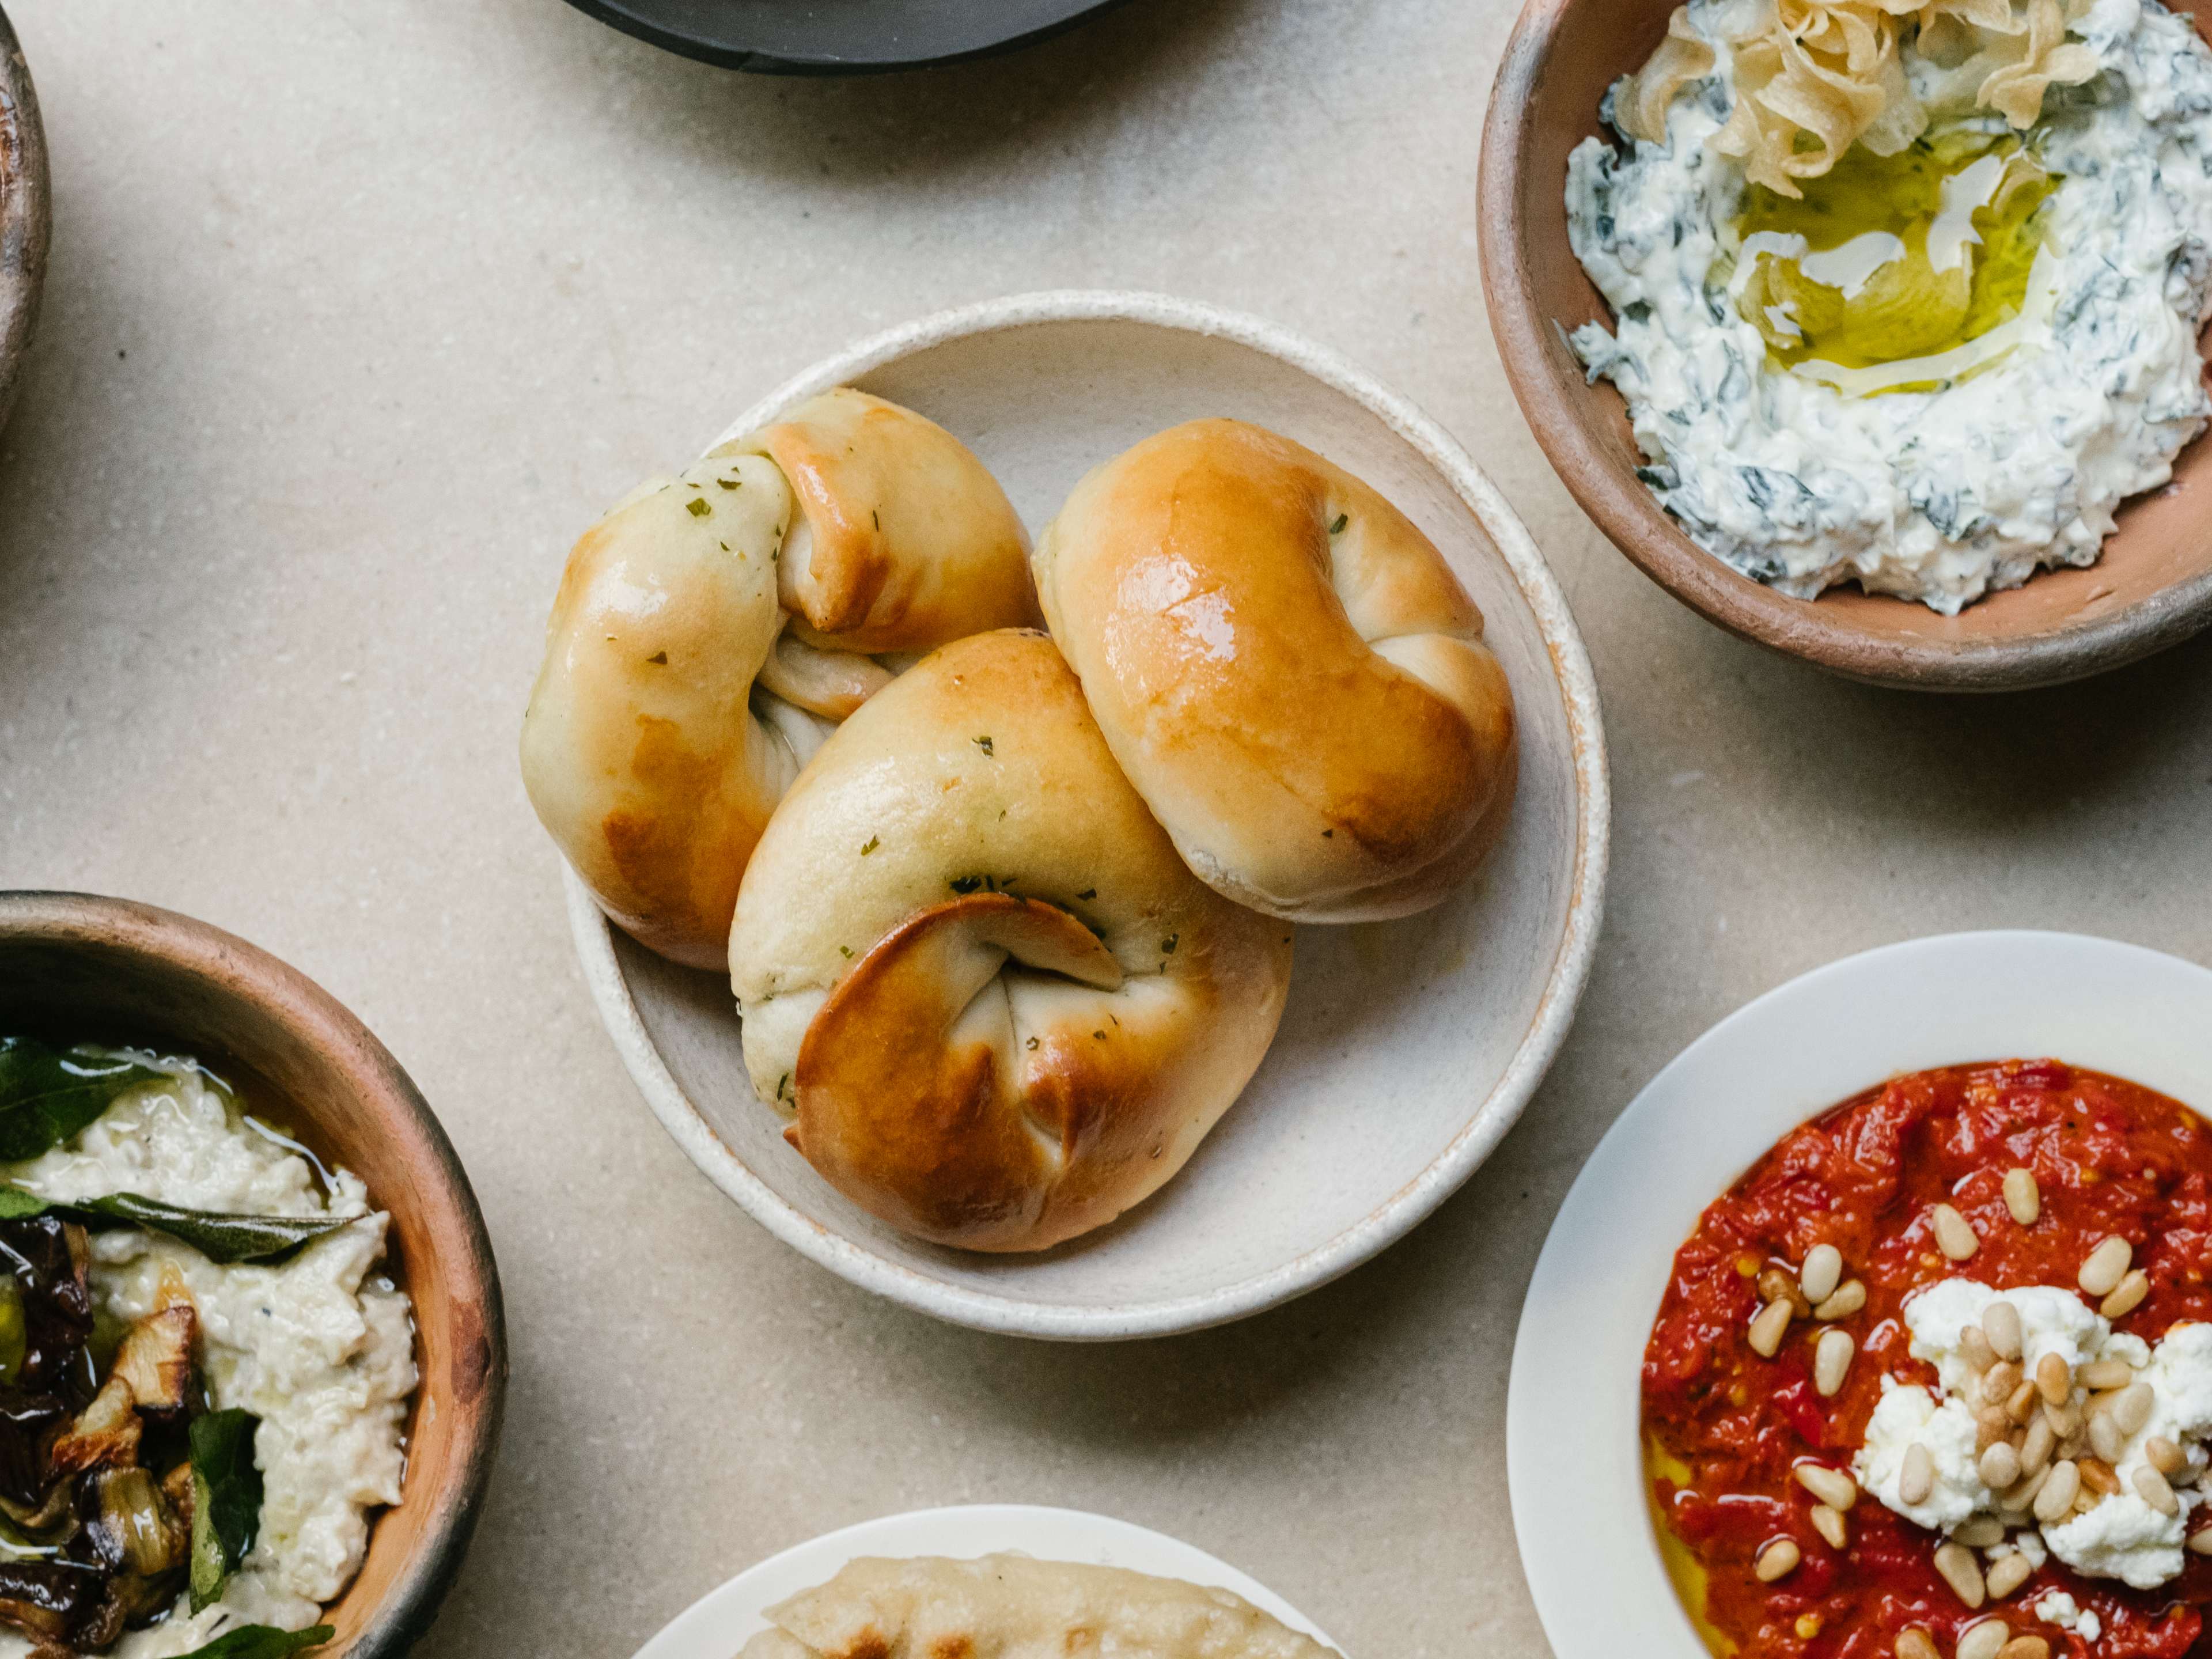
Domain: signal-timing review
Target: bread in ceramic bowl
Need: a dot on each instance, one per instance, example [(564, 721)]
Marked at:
[(1015, 1607), (713, 628), (996, 1006), (1286, 668)]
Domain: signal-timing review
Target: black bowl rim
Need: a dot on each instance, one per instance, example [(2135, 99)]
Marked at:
[(893, 41)]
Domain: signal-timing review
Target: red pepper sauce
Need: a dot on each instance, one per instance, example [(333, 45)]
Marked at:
[(2109, 1156)]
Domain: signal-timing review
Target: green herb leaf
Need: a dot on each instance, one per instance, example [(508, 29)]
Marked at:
[(697, 506), (873, 843), (1088, 893), (1342, 520), (659, 659), (263, 1642), (47, 1096), (966, 884), (226, 1501), (217, 1235), (1169, 943), (983, 744)]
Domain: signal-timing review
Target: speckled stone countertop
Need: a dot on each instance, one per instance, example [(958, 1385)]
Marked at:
[(357, 315)]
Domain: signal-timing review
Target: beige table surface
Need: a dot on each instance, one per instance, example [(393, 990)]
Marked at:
[(357, 314)]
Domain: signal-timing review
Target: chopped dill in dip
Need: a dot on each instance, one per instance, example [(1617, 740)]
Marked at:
[(1947, 364), (273, 1426)]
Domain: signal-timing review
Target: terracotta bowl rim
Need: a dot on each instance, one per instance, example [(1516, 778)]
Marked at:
[(1626, 512), (198, 950), (26, 210), (1565, 973)]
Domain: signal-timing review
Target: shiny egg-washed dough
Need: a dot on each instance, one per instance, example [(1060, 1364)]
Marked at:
[(1013, 1607)]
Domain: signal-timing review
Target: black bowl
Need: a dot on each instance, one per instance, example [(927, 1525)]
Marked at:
[(839, 36)]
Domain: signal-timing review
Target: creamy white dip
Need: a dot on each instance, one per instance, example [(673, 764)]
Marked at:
[(318, 1346), (1939, 496)]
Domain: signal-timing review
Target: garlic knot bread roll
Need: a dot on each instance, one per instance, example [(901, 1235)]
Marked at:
[(712, 628), (1286, 668), (1014, 1607), (996, 1006)]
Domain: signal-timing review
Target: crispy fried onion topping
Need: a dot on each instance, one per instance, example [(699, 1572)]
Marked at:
[(1817, 76)]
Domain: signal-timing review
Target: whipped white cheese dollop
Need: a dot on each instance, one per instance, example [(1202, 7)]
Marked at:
[(1937, 496), (2124, 1536)]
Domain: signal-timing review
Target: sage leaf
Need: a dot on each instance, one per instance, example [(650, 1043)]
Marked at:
[(226, 1501), (218, 1235), (263, 1642), (47, 1095)]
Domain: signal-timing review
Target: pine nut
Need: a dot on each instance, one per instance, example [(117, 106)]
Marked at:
[(1776, 1285), (2157, 1490), (2021, 1196), (1954, 1236), (1978, 1532), (1831, 1362), (2107, 1266), (1850, 1297), (1831, 1486), (2099, 1374), (1999, 1467), (2060, 1488), (2025, 1647), (1974, 1348), (2086, 1500), (1917, 1643), (2163, 1455), (2105, 1437), (2200, 1541), (1778, 1560), (1829, 1523), (2127, 1296), (2098, 1476), (2007, 1574), (2001, 1324), (1768, 1326), (1962, 1573), (1983, 1641), (2036, 1447), (2024, 1398), (2053, 1379), (1822, 1272), (2022, 1496), (1999, 1381), (2065, 1421), (1915, 1476), (2131, 1410), (1991, 1427)]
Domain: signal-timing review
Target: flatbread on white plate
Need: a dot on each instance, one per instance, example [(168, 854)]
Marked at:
[(1014, 1607)]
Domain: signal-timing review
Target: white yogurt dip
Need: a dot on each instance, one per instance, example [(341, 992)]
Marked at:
[(319, 1345), (1940, 495)]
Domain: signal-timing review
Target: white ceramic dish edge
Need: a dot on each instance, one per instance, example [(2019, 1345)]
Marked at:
[(1573, 1459), (1569, 971), (720, 1622)]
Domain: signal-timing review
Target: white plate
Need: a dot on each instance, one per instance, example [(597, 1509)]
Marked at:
[(1573, 1409), (1409, 1048), (722, 1621)]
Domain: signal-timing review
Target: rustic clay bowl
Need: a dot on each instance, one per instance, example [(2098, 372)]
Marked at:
[(2151, 588), (77, 967), (23, 214)]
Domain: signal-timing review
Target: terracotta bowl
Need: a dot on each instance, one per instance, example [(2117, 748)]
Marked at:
[(77, 967), (2151, 588), (23, 214)]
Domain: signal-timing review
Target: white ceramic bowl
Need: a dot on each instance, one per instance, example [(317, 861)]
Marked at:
[(722, 1621), (1572, 1411), (1409, 1049)]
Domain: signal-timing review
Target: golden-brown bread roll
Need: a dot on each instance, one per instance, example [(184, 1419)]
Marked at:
[(1286, 668), (1014, 1607), (996, 1006), (711, 629)]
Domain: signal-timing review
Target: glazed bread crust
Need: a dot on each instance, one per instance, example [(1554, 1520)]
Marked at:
[(684, 686), (1286, 668), (1014, 1607), (996, 1006), (908, 540)]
